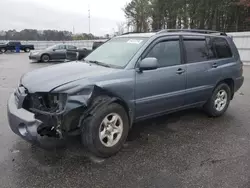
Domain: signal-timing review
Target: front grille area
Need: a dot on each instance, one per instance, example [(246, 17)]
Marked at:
[(26, 103)]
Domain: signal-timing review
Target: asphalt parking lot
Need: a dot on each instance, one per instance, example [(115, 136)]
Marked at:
[(185, 149)]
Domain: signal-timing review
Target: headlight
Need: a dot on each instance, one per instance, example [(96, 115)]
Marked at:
[(48, 102), (35, 53)]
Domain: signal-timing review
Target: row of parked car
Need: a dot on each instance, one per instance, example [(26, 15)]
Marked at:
[(55, 52), (62, 52)]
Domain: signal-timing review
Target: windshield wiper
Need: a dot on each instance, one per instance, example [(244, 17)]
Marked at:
[(99, 63)]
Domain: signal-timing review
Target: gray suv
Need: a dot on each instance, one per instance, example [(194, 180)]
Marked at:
[(129, 78)]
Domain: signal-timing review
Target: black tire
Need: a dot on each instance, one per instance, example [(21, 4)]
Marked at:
[(45, 58), (91, 127), (3, 50), (210, 106), (27, 50)]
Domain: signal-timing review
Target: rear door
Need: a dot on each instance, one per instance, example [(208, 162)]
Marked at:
[(203, 69)]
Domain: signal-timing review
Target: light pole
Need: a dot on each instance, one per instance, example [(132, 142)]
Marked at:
[(89, 19)]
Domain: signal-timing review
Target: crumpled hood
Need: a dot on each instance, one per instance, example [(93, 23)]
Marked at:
[(48, 78)]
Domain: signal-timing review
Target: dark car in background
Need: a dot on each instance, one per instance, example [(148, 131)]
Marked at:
[(77, 54), (56, 52), (11, 46), (80, 53), (97, 44)]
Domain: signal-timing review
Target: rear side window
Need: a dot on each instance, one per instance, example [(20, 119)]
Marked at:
[(221, 48), (196, 50)]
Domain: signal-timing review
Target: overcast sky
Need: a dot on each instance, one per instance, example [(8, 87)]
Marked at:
[(62, 15)]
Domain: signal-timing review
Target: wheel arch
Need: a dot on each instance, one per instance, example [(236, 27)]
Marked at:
[(101, 97), (230, 83), (127, 109)]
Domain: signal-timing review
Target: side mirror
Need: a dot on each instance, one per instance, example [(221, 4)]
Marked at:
[(149, 63), (54, 49)]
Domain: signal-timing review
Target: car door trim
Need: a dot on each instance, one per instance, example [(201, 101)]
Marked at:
[(162, 96)]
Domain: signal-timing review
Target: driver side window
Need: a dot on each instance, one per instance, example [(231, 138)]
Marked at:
[(167, 53)]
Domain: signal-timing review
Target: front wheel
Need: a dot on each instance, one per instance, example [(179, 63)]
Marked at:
[(105, 132), (219, 101), (45, 58)]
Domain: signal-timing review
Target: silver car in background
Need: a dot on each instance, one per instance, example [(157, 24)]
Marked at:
[(56, 52)]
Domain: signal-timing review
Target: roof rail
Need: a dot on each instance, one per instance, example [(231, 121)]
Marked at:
[(129, 33), (134, 32), (193, 31)]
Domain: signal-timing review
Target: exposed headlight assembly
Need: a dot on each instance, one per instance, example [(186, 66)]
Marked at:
[(48, 102)]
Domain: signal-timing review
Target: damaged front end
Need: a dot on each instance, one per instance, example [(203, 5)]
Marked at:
[(61, 113), (56, 114), (49, 109)]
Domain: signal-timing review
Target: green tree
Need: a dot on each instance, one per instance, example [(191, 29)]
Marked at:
[(137, 12), (223, 15)]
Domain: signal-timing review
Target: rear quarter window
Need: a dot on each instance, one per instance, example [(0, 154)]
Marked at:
[(221, 48)]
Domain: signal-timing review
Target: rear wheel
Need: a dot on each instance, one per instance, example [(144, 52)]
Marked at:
[(2, 50), (219, 101), (45, 58), (105, 132), (27, 50)]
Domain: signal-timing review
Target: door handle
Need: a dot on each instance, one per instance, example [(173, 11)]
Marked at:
[(180, 71), (215, 65)]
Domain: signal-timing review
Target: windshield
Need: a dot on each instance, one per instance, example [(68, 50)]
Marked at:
[(117, 52)]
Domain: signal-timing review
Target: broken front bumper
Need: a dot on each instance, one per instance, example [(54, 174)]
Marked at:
[(24, 124)]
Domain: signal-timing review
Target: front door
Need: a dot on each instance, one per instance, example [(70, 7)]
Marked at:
[(158, 91), (60, 52)]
